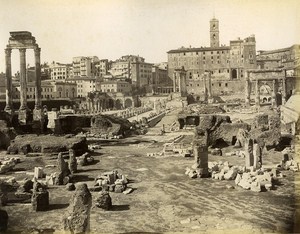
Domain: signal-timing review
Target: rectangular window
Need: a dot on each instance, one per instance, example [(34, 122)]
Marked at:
[(225, 84), (220, 84)]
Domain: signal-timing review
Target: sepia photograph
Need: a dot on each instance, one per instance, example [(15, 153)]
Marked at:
[(149, 116)]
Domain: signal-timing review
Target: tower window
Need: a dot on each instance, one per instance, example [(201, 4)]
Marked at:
[(212, 52), (226, 85)]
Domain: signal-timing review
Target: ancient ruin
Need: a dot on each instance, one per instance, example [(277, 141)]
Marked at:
[(22, 41), (206, 141)]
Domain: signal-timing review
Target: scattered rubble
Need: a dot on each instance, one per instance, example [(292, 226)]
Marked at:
[(85, 159), (111, 181), (8, 163)]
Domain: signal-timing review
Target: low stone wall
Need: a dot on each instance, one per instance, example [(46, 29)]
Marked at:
[(154, 120)]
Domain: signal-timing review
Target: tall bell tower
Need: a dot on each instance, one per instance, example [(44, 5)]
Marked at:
[(214, 32)]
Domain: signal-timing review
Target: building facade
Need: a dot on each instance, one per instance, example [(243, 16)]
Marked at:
[(227, 64), (102, 67), (60, 71), (85, 66), (50, 90), (116, 87), (132, 68), (84, 85), (285, 58)]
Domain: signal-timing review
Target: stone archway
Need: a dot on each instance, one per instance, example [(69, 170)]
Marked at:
[(110, 104), (118, 104), (128, 103)]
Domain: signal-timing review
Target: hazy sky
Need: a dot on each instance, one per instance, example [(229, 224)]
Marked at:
[(149, 28)]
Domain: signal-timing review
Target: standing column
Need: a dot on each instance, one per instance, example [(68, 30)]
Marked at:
[(23, 84), (209, 85), (257, 97), (283, 91), (247, 90), (37, 56), (174, 82), (204, 86), (8, 106), (274, 101)]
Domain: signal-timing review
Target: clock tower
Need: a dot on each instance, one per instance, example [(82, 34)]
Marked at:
[(214, 32)]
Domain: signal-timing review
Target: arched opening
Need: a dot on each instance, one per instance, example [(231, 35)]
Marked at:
[(73, 92), (110, 103), (128, 103), (264, 100), (118, 104), (233, 74)]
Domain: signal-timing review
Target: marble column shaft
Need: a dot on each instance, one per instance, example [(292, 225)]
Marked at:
[(283, 91), (23, 83), (174, 82), (247, 90), (257, 97), (209, 85), (274, 101), (37, 55), (8, 106)]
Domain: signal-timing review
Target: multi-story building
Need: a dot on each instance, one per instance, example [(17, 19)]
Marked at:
[(102, 67), (60, 71), (85, 66), (116, 86), (285, 58), (84, 84), (159, 78), (227, 64), (133, 68)]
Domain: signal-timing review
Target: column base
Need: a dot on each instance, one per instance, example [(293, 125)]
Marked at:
[(37, 114), (23, 117)]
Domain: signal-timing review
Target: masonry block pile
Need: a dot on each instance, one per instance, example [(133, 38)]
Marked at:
[(111, 181), (288, 162), (8, 164)]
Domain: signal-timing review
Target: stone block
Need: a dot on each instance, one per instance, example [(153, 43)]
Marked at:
[(255, 187), (104, 201), (38, 172), (3, 221), (230, 175), (40, 200), (119, 188)]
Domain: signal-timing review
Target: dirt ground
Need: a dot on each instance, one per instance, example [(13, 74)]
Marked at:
[(164, 198)]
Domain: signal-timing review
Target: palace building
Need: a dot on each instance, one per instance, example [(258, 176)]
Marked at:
[(227, 64)]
